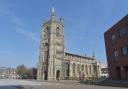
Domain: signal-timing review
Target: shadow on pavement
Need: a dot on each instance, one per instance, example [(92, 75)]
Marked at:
[(114, 85), (109, 83), (11, 87)]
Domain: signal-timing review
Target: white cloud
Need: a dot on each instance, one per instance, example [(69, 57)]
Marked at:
[(3, 52), (28, 34), (18, 24)]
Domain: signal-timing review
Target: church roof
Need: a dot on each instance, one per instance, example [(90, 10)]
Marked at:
[(90, 58)]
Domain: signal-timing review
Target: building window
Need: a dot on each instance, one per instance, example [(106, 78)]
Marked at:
[(58, 33), (125, 50), (90, 69), (78, 68), (122, 32), (74, 68), (113, 38), (86, 67), (116, 53), (82, 67)]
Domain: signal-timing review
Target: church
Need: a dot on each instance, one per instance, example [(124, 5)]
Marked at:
[(54, 63)]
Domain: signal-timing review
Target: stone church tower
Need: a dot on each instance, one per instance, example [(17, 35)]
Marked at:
[(51, 59)]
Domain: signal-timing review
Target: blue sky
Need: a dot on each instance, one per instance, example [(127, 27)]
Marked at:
[(85, 23)]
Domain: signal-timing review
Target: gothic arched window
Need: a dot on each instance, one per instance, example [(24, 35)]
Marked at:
[(74, 68), (58, 34), (78, 68), (82, 67), (90, 69), (86, 67)]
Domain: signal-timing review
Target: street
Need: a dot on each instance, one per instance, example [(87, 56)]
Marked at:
[(33, 84)]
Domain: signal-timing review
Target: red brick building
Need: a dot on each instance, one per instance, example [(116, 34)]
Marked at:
[(116, 42)]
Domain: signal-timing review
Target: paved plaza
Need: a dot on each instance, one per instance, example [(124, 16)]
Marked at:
[(32, 84)]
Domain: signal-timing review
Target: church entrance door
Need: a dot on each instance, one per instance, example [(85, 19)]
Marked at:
[(45, 75), (57, 74)]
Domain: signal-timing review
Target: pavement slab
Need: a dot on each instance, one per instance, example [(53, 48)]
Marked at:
[(34, 84)]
